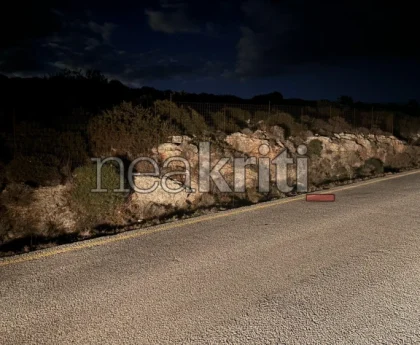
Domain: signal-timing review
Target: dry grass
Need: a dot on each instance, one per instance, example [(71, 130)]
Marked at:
[(95, 208), (29, 214)]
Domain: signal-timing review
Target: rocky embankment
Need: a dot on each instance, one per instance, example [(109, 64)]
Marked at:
[(335, 159)]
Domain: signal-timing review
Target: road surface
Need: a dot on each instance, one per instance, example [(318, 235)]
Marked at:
[(288, 272)]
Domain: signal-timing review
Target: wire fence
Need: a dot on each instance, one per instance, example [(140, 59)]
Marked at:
[(194, 118), (222, 115)]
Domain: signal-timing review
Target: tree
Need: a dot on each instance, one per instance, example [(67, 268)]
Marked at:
[(345, 100)]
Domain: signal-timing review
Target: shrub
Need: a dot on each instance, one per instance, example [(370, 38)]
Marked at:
[(371, 166), (260, 116), (230, 120), (224, 123), (186, 120), (339, 124), (239, 116), (319, 172), (284, 120), (403, 160), (17, 194), (406, 126), (127, 131), (322, 127), (362, 130), (95, 207), (42, 170), (342, 173), (315, 148), (12, 225)]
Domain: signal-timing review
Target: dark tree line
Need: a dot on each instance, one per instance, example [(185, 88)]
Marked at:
[(72, 97)]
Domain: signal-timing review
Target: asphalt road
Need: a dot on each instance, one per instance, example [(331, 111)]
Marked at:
[(293, 272)]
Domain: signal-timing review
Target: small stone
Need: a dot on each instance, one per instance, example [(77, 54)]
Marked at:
[(177, 139)]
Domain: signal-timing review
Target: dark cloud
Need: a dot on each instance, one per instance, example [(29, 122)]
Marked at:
[(173, 4), (171, 18), (78, 44), (235, 39), (278, 35), (21, 24)]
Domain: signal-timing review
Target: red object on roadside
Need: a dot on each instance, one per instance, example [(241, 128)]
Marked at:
[(320, 197)]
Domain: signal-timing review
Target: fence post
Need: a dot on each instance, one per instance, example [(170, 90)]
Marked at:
[(170, 105), (14, 134), (224, 118), (269, 107), (354, 117), (371, 123), (392, 123)]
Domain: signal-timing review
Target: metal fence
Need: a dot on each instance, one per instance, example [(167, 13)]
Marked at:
[(191, 117), (330, 117)]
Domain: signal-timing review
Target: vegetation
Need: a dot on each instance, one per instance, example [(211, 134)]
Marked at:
[(315, 148), (48, 139), (42, 170), (126, 130), (371, 166), (96, 208)]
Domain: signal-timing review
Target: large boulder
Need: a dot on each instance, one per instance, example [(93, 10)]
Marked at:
[(160, 202)]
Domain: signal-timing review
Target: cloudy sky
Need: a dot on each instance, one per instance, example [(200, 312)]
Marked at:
[(304, 49)]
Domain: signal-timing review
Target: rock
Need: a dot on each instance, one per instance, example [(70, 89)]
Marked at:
[(348, 136), (323, 132), (290, 146), (245, 144), (259, 134), (159, 201), (277, 133), (307, 134), (168, 150), (177, 139)]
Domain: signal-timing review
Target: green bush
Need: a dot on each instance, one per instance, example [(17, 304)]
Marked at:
[(372, 166), (339, 124), (126, 130), (224, 123), (284, 120), (315, 148), (42, 170), (183, 120), (96, 207), (238, 116), (406, 126)]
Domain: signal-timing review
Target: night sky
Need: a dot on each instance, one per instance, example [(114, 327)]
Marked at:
[(303, 49)]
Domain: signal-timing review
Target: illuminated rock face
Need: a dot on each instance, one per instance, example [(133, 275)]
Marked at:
[(338, 157)]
